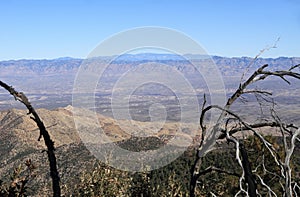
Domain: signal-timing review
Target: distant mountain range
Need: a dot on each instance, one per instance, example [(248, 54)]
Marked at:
[(70, 65), (53, 79)]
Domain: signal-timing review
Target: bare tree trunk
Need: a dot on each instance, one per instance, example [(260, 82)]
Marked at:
[(43, 133), (287, 168), (195, 176), (249, 178)]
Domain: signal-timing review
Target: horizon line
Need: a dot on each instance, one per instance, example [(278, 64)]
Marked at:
[(188, 54)]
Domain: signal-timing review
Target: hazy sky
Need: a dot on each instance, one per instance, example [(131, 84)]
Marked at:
[(58, 28)]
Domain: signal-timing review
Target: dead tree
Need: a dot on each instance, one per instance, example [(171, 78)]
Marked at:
[(230, 123), (20, 96)]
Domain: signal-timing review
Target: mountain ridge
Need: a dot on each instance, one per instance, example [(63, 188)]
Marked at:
[(68, 67), (147, 55), (19, 142)]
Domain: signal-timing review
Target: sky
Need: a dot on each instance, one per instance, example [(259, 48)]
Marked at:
[(232, 28)]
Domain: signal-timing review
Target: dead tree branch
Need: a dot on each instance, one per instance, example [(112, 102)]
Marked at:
[(219, 170), (217, 131), (43, 133), (249, 177), (287, 167)]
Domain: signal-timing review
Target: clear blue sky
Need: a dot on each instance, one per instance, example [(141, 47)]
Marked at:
[(58, 28)]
